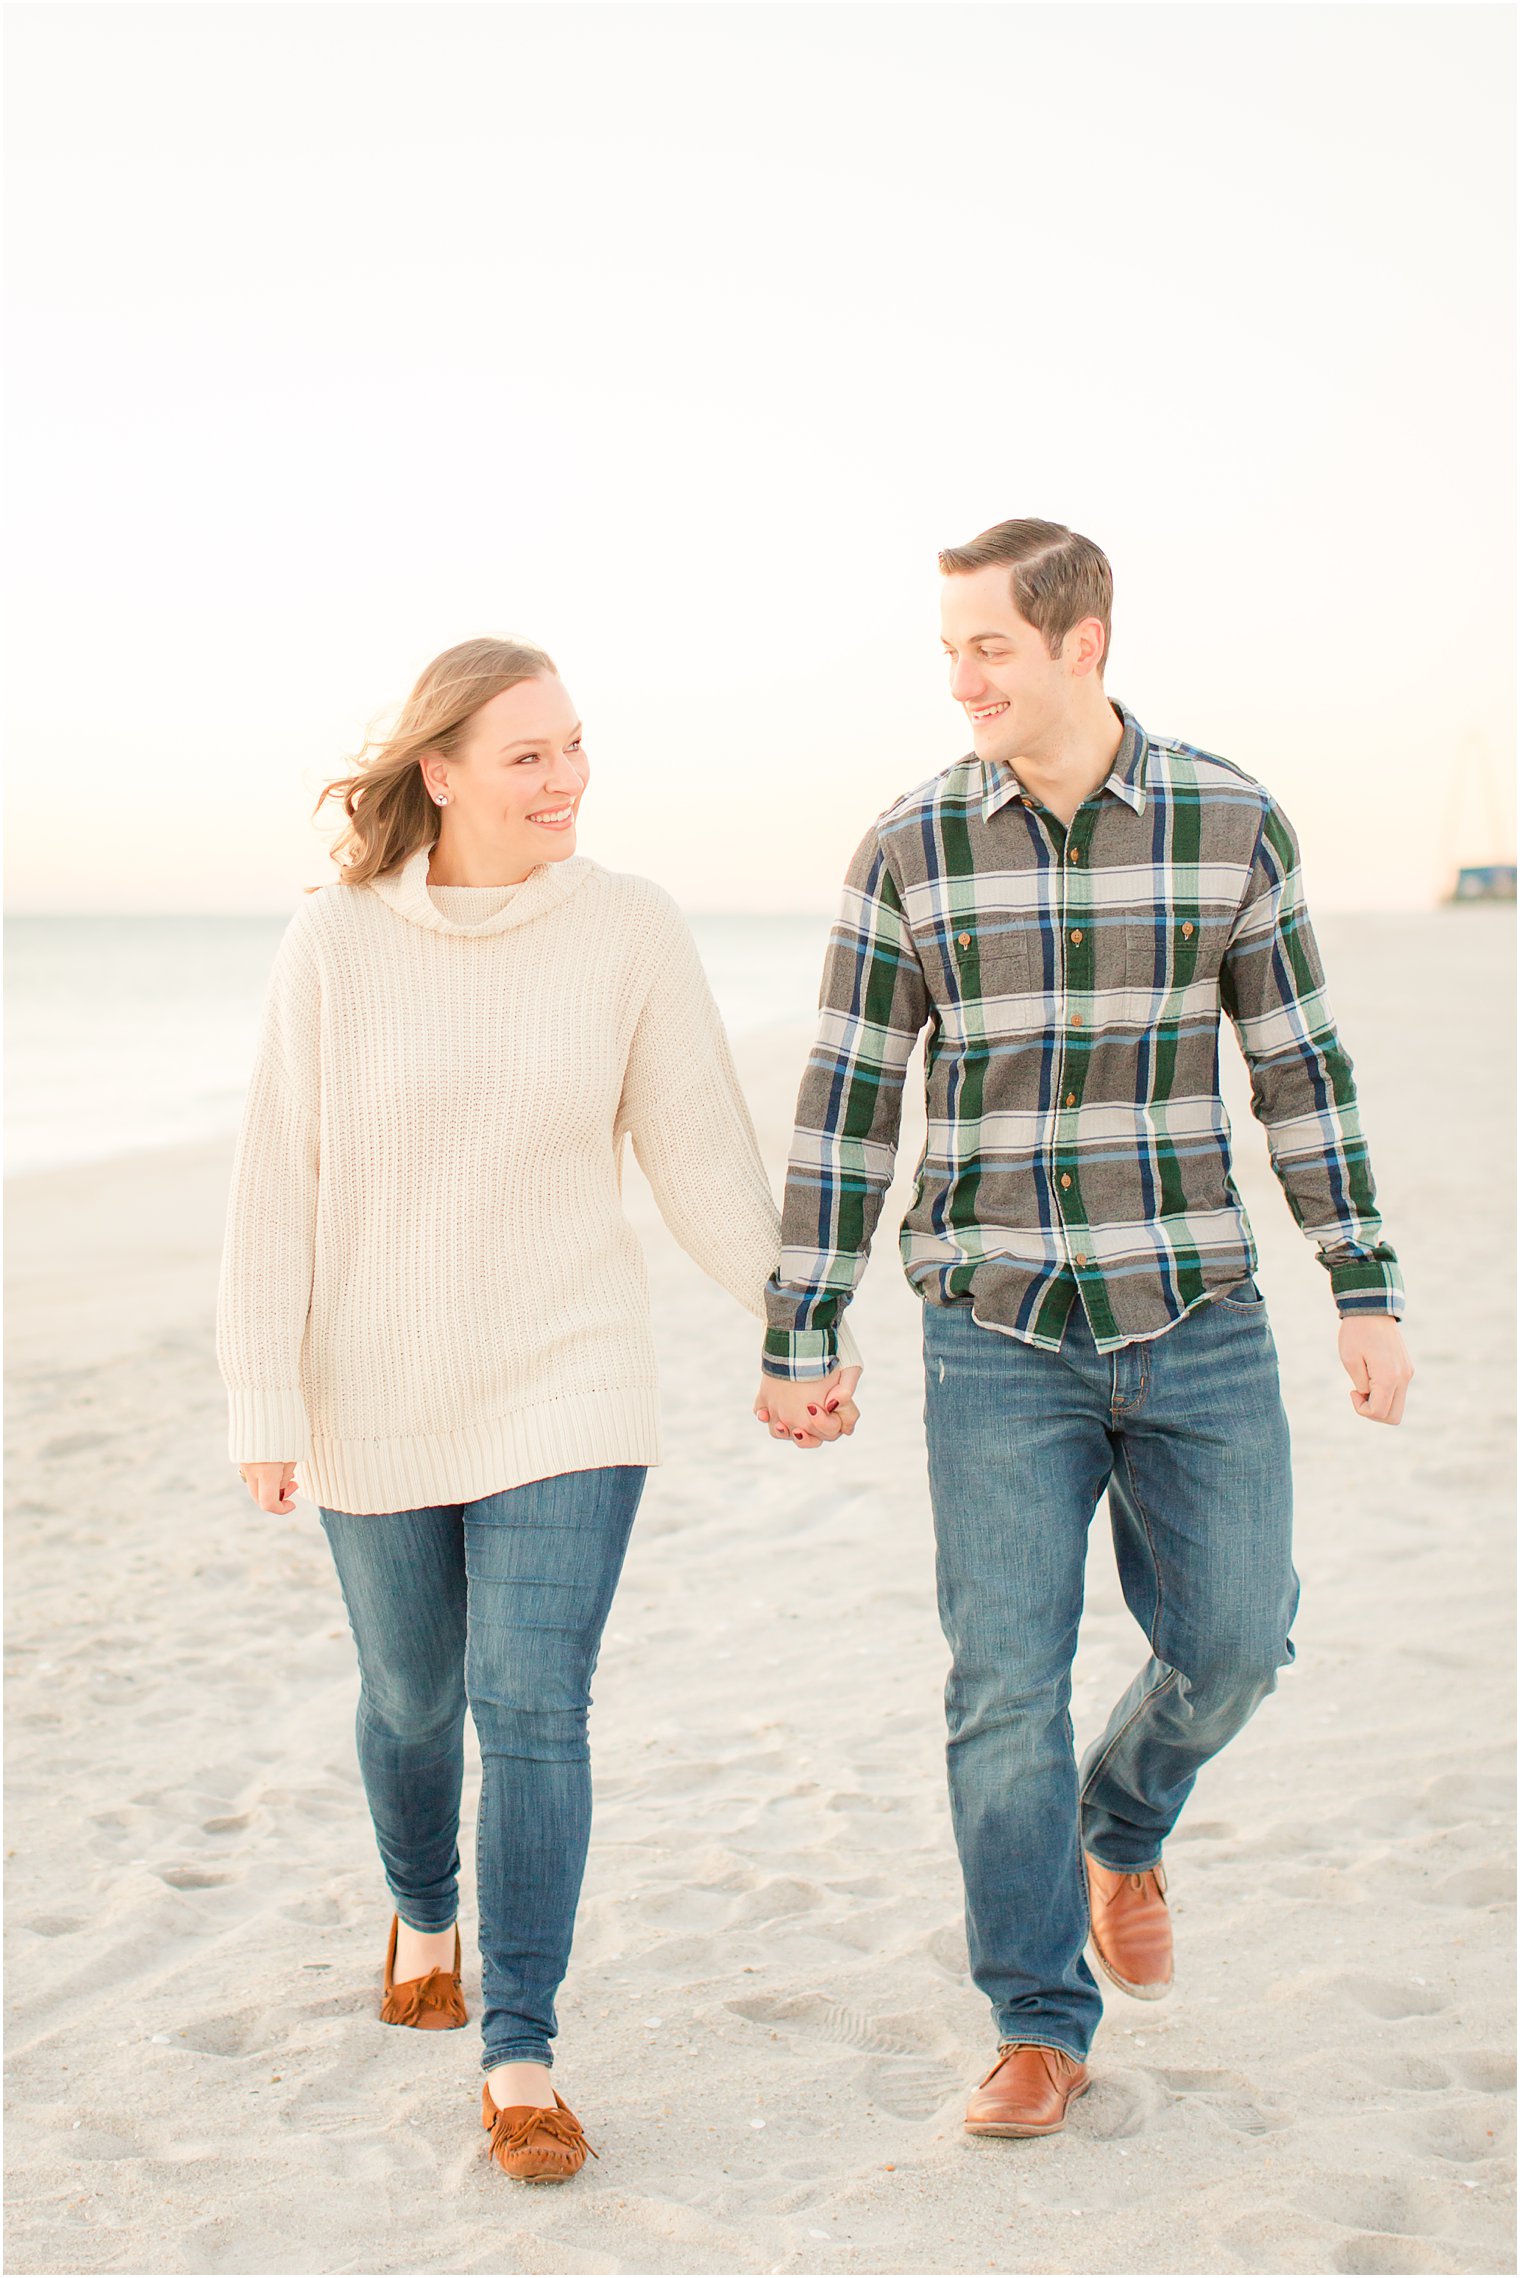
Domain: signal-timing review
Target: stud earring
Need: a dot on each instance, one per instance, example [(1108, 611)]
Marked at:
[(439, 796)]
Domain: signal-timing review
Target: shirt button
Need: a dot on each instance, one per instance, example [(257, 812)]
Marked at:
[(1074, 854), (964, 939), (1076, 933), (1071, 1099), (1081, 1258), (1076, 1020), (1187, 930), (1066, 1178)]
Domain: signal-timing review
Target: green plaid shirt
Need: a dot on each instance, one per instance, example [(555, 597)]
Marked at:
[(1071, 982)]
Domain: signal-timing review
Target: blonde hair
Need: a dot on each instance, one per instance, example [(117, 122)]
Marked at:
[(1058, 577), (385, 799)]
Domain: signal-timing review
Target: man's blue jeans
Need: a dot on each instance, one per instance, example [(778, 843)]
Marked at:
[(498, 1605), (1187, 1434)]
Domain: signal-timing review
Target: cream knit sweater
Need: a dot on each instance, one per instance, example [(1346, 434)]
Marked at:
[(429, 1290)]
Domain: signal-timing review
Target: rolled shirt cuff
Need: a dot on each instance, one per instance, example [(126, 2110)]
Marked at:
[(800, 1354), (1370, 1284)]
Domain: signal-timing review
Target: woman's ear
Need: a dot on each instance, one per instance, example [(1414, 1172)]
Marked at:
[(434, 769)]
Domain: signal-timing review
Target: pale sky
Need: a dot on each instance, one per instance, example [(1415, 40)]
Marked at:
[(678, 339)]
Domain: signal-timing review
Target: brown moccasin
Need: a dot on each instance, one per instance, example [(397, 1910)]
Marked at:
[(434, 2004), (534, 2145), (1027, 2091)]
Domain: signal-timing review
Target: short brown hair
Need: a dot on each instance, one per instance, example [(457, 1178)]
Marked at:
[(1058, 577)]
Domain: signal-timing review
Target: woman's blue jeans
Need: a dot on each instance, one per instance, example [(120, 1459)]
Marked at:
[(498, 1605), (1187, 1434)]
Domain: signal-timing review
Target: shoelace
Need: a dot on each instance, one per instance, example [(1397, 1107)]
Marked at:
[(1006, 2049), (1143, 1875), (405, 2003), (560, 2126)]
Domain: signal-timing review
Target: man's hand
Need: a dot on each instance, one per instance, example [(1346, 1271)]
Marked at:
[(808, 1414), (1374, 1356)]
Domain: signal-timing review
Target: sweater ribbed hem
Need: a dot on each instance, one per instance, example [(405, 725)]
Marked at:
[(584, 1432)]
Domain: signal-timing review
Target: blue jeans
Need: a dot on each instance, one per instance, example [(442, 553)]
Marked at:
[(498, 1605), (1187, 1434)]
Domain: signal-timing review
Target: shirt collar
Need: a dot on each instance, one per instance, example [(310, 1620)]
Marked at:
[(1126, 778)]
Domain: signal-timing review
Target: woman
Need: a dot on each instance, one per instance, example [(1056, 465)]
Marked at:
[(432, 1303)]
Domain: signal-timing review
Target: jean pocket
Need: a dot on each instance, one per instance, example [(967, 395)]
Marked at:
[(1242, 1297)]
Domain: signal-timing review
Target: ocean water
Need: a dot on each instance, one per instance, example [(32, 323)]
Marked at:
[(124, 1033)]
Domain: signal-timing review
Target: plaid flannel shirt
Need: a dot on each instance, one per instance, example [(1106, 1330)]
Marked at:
[(1071, 981)]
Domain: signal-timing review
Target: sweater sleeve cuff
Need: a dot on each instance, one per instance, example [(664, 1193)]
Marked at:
[(267, 1427)]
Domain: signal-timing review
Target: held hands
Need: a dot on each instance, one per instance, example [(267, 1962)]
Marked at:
[(1374, 1356), (809, 1414), (270, 1485)]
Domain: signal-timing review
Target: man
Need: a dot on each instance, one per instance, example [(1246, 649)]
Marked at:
[(1067, 910)]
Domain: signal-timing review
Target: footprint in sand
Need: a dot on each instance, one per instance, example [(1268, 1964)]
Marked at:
[(1385, 2255), (1375, 2203), (1120, 2102), (1463, 2135), (1227, 2095), (907, 2081), (99, 2143), (226, 2036), (1474, 1887), (911, 2088), (1387, 1997), (946, 1948), (776, 1900), (818, 2018), (316, 1912), (1408, 2072)]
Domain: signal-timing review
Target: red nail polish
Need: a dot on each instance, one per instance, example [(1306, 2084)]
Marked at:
[(812, 1411)]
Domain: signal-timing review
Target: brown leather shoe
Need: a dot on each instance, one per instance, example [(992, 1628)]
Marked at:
[(1027, 2091), (434, 2004), (1131, 1929), (533, 2145)]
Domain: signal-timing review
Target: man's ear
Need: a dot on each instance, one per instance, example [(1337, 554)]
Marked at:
[(1082, 650)]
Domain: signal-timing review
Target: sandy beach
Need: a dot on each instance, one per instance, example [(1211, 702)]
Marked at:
[(768, 2028)]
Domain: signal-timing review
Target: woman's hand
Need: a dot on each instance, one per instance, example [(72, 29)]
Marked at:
[(270, 1484), (809, 1413)]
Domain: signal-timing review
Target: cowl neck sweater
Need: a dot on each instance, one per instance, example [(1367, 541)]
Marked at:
[(429, 1291), (406, 891)]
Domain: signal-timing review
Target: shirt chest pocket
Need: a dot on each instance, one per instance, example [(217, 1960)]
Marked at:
[(1170, 950), (987, 957)]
